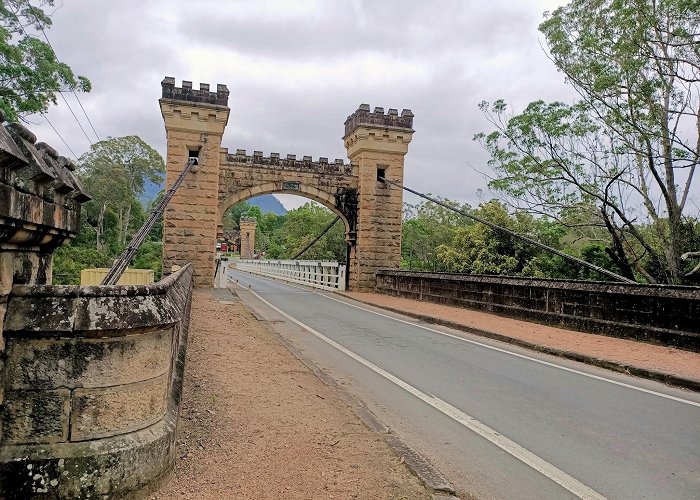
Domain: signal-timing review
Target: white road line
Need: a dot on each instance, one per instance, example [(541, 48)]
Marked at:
[(518, 355), (543, 467), (540, 361)]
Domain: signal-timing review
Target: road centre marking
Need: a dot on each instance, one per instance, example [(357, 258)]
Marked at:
[(505, 351), (543, 467)]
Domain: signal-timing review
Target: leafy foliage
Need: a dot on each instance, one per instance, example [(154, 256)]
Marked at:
[(30, 74), (283, 236), (617, 165), (114, 173), (464, 246), (69, 260)]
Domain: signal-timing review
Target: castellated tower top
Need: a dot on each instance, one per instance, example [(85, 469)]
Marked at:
[(391, 119), (187, 93)]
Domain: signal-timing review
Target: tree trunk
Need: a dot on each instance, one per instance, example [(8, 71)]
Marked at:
[(99, 230), (127, 216)]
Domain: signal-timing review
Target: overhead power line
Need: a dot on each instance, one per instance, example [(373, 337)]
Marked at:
[(24, 31), (73, 91), (514, 234), (59, 135)]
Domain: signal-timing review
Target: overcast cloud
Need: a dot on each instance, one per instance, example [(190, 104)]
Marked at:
[(296, 69)]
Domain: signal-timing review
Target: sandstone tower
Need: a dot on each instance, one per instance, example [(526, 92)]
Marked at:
[(371, 210), (247, 225), (194, 123), (376, 144)]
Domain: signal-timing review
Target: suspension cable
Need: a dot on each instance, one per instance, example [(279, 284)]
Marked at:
[(328, 228), (121, 263), (514, 234)]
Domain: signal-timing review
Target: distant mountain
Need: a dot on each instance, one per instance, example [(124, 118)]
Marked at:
[(266, 202), (150, 191)]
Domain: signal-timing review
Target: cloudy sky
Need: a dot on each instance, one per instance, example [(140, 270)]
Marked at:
[(296, 69)]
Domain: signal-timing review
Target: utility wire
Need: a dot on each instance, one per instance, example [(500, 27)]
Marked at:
[(59, 135), (73, 91), (76, 119), (21, 26), (328, 228), (516, 235)]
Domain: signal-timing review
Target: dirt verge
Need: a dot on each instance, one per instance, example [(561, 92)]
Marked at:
[(257, 424)]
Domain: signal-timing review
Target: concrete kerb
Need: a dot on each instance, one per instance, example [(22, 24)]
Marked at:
[(419, 466), (663, 377)]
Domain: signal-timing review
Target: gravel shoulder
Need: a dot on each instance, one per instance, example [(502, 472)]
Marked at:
[(256, 423)]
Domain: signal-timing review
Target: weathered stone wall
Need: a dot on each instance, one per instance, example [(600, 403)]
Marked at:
[(664, 314), (92, 384), (376, 144), (40, 202)]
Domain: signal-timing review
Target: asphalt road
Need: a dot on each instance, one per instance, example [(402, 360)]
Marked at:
[(496, 420)]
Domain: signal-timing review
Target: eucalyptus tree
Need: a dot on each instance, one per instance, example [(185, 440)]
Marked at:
[(626, 153), (115, 172)]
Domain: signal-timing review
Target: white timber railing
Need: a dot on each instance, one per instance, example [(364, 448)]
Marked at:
[(328, 275)]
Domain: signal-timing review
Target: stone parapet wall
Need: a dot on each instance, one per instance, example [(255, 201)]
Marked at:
[(187, 93), (363, 116), (92, 385), (290, 162), (664, 314)]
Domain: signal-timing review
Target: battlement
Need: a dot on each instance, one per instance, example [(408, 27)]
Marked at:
[(245, 219), (306, 163), (391, 119), (187, 93)]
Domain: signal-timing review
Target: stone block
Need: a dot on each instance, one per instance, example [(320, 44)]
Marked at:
[(118, 467), (100, 314), (53, 313), (104, 412), (35, 416), (86, 362)]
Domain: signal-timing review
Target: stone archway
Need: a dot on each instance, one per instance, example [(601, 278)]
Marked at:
[(376, 143), (309, 192), (347, 212)]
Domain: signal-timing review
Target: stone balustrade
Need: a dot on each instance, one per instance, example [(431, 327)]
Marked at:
[(664, 314), (318, 274), (92, 386)]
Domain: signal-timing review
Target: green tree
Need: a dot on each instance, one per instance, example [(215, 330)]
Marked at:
[(478, 249), (631, 140), (69, 260), (30, 74), (426, 227), (302, 225), (114, 172), (233, 215)]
